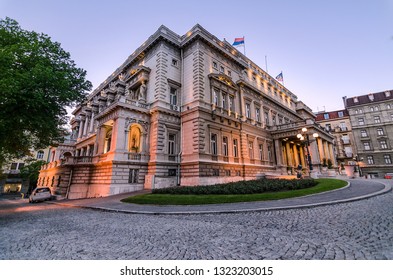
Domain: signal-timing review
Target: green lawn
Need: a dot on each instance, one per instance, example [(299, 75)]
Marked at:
[(170, 199)]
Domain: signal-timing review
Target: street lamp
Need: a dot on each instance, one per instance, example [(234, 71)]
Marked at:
[(357, 166), (305, 138)]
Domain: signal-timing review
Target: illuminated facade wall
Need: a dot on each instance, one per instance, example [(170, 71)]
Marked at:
[(181, 110)]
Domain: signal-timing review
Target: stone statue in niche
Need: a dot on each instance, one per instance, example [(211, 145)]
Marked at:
[(142, 91)]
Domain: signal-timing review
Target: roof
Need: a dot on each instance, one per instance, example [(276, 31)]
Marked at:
[(369, 98), (332, 115)]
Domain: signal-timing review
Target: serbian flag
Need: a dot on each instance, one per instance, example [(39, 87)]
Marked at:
[(238, 41), (280, 77)]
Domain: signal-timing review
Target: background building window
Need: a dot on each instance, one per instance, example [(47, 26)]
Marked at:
[(326, 116), (40, 154), (388, 159), (367, 146), (232, 103), (360, 121), (363, 133), (370, 159), (380, 131), (377, 119), (383, 144), (261, 151)]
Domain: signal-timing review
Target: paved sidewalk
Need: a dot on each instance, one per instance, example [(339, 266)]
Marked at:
[(357, 189)]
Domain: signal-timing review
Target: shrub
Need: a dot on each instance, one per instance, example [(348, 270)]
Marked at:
[(242, 187)]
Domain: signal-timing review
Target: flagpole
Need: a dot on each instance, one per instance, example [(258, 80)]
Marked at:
[(282, 78), (244, 45), (266, 63)]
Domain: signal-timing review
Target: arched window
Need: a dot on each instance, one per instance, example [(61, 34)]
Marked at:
[(135, 139), (108, 141)]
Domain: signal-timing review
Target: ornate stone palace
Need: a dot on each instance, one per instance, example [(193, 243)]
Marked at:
[(184, 110)]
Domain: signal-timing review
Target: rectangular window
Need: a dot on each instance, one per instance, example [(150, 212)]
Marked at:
[(383, 144), (248, 110), (261, 151), (213, 144), (370, 159), (267, 118), (250, 150), (360, 121), (340, 114), (363, 133), (388, 159), (377, 119), (231, 103), (229, 73), (215, 97), (173, 96), (269, 153), (326, 116), (225, 146), (235, 148), (174, 62), (133, 176), (257, 114), (367, 146), (214, 65), (222, 69), (380, 131), (328, 127), (171, 144), (224, 100), (14, 165), (343, 126)]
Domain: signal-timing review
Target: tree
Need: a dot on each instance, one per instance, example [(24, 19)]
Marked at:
[(38, 80), (31, 172)]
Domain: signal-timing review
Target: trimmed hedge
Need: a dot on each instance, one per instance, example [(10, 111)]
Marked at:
[(242, 187)]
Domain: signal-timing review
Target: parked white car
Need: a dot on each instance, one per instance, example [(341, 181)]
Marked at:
[(40, 194)]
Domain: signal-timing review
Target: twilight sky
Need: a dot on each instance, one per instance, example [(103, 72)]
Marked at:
[(326, 49)]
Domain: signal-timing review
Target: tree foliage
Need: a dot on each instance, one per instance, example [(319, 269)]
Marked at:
[(38, 80)]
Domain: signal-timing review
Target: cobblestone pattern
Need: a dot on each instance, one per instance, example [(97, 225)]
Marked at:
[(357, 230)]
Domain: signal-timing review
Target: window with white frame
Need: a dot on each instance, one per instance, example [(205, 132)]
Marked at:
[(213, 143), (215, 97), (377, 119), (326, 116), (261, 151), (361, 121), (380, 131), (383, 144), (363, 133), (251, 150), (40, 154), (370, 159), (388, 159), (225, 146), (224, 100), (171, 144), (367, 146), (235, 148), (248, 110), (231, 103), (258, 114), (173, 96)]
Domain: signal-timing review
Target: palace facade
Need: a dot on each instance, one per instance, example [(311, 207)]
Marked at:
[(185, 110)]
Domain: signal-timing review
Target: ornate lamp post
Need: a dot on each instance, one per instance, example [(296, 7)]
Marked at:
[(305, 138)]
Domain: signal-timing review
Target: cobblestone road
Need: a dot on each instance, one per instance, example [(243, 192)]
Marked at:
[(356, 230)]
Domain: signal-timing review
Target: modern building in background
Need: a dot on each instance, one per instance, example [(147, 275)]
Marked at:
[(339, 124), (11, 181), (185, 110), (371, 118)]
